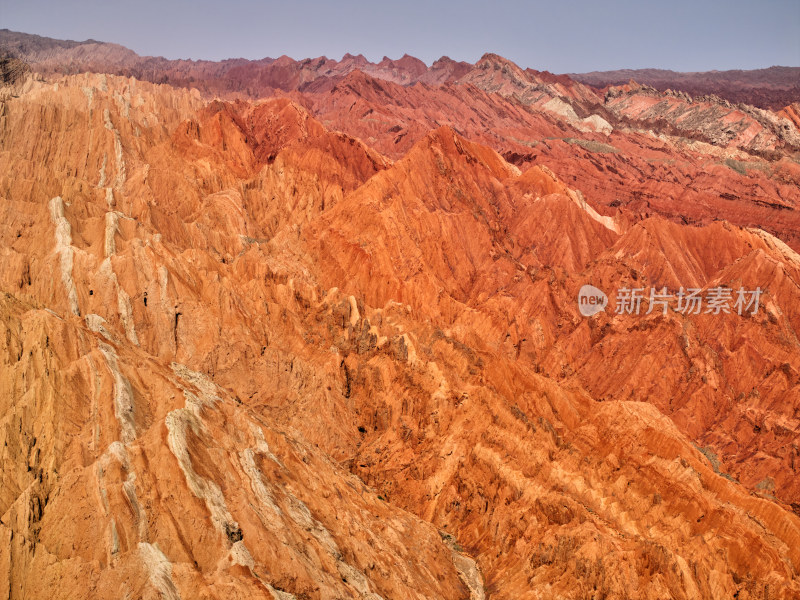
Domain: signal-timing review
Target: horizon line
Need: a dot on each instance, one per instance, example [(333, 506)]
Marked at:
[(349, 54)]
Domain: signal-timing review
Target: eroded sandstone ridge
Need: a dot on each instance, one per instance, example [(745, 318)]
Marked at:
[(692, 158), (253, 352)]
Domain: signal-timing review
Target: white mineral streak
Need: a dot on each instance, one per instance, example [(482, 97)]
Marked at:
[(159, 570), (65, 251)]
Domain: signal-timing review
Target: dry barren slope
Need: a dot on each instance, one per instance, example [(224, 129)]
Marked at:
[(246, 356)]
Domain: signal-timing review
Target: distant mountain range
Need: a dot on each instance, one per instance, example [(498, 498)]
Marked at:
[(773, 88)]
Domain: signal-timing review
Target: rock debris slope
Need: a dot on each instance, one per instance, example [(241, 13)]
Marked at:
[(249, 355)]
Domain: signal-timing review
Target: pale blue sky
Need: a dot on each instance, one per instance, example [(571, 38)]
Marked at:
[(560, 36)]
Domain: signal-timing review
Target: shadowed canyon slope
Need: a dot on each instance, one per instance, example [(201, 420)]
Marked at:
[(327, 344)]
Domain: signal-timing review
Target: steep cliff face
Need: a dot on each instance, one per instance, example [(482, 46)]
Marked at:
[(246, 355)]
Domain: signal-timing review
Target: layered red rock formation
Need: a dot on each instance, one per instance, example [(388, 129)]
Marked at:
[(629, 146), (250, 352), (691, 161), (770, 88)]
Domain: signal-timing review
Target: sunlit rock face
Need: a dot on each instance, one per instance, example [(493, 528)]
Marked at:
[(329, 344)]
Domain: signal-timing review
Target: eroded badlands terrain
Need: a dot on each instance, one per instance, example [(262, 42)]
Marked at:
[(324, 342)]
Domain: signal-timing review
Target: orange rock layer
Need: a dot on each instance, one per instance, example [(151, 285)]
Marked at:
[(246, 355)]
